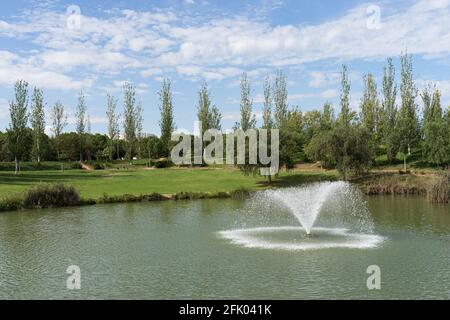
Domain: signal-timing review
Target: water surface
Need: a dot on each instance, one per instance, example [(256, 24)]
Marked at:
[(165, 250)]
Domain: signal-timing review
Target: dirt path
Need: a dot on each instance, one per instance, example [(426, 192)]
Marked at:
[(86, 166)]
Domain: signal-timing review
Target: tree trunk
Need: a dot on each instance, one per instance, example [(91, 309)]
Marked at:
[(38, 152), (17, 165), (404, 162), (118, 150)]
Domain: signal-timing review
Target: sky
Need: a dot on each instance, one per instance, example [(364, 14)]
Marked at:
[(64, 47)]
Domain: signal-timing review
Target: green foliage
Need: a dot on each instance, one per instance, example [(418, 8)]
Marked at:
[(51, 196), (248, 119), (113, 127), (207, 114), (81, 122), (280, 100), (167, 123), (388, 112), (37, 122), (346, 116), (129, 123), (407, 121), (18, 123), (344, 148)]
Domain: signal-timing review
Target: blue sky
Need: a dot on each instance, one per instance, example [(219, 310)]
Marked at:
[(190, 41)]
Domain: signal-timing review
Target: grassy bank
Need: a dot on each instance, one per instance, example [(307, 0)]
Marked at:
[(139, 184)]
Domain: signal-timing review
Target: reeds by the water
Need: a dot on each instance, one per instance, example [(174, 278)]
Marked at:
[(439, 191)]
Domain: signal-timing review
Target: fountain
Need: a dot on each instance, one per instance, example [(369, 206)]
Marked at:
[(338, 205), (305, 203)]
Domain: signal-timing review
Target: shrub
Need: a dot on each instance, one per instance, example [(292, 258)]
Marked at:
[(99, 166), (160, 164), (11, 203), (76, 166), (240, 193), (51, 196)]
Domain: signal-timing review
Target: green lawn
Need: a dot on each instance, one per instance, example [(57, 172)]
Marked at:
[(93, 184)]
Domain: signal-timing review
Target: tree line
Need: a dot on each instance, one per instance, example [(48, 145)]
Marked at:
[(388, 123)]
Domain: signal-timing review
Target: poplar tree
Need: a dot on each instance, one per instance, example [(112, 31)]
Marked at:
[(346, 116), (37, 122), (167, 123), (388, 120), (18, 122), (80, 116), (370, 106), (280, 96), (408, 123), (248, 120), (113, 125), (129, 122), (267, 109), (59, 121)]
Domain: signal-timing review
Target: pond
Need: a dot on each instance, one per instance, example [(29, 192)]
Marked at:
[(225, 249)]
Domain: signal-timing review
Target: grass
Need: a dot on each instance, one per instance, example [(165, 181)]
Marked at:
[(95, 184)]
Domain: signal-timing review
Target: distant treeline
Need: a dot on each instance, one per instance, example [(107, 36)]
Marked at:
[(389, 124)]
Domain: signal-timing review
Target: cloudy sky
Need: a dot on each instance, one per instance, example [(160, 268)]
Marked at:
[(68, 46)]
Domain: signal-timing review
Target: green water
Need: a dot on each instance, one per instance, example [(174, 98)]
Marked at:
[(173, 249)]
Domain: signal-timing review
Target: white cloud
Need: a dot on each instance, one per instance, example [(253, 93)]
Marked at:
[(4, 108), (214, 49), (14, 67), (321, 78)]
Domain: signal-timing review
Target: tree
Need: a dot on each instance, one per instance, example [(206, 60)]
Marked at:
[(166, 123), (216, 118), (280, 95), (204, 108), (435, 148), (327, 117), (343, 148), (37, 122), (139, 127), (388, 120), (59, 121), (18, 123), (248, 120), (370, 110), (267, 110), (89, 151), (113, 125), (292, 138), (370, 106), (207, 114), (80, 117), (346, 116), (407, 122), (129, 122)]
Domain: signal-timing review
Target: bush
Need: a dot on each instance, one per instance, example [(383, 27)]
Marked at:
[(240, 193), (76, 166), (99, 166), (160, 164), (11, 203), (51, 196)]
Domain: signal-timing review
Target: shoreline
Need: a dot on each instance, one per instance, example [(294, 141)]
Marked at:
[(374, 184)]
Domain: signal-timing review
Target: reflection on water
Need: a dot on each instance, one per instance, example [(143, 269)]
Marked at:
[(172, 250)]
